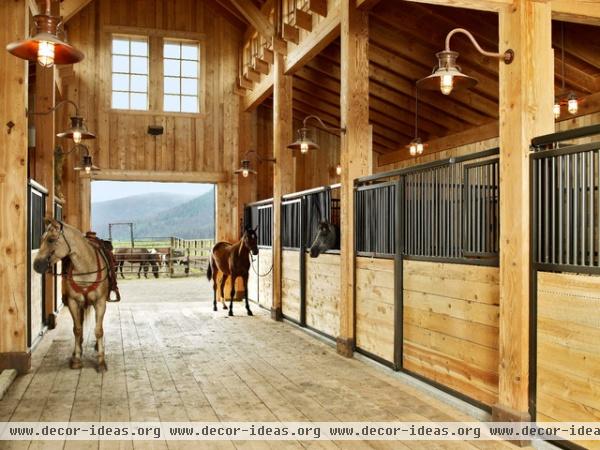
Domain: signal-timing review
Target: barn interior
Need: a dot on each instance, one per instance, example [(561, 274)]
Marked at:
[(468, 255)]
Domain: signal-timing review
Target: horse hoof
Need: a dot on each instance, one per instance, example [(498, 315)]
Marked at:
[(230, 313), (96, 346), (250, 313), (101, 367), (75, 364), (215, 308), (225, 307)]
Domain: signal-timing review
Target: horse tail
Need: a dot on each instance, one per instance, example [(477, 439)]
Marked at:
[(209, 269)]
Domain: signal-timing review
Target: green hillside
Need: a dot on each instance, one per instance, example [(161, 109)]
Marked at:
[(157, 215)]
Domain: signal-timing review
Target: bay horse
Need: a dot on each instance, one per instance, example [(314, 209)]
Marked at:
[(87, 276), (328, 238), (232, 260), (138, 255)]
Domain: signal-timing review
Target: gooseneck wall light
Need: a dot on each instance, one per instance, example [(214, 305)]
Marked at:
[(245, 170), (45, 46), (86, 164), (448, 76), (78, 130), (304, 142)]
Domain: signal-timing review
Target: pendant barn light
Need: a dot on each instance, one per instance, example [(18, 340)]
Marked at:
[(86, 164), (78, 130), (338, 169), (304, 143), (571, 99), (448, 75), (245, 170), (416, 146), (45, 46)]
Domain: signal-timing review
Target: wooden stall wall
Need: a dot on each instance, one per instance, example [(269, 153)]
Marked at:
[(36, 292), (375, 307), (290, 284), (323, 293), (205, 143), (568, 355), (450, 326), (265, 282)]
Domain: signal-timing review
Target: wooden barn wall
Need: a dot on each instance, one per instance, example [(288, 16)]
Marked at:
[(576, 122), (290, 282), (323, 293), (568, 355), (205, 142), (451, 314), (314, 169), (375, 306)]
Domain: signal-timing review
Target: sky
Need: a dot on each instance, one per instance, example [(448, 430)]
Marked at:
[(111, 190)]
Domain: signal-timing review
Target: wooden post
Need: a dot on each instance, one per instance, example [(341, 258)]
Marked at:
[(171, 257), (85, 201), (283, 177), (526, 98), (45, 141), (355, 149), (13, 191)]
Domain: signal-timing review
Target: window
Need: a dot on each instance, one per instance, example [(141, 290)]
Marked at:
[(181, 76), (129, 73)]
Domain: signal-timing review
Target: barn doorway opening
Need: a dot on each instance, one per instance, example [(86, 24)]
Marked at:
[(158, 230)]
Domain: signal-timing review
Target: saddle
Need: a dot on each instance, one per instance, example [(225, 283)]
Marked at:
[(105, 249)]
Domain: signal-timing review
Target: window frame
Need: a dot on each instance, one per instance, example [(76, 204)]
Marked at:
[(148, 57), (199, 78)]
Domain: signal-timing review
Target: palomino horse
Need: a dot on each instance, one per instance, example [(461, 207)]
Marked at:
[(143, 256), (232, 260), (87, 280), (328, 238)]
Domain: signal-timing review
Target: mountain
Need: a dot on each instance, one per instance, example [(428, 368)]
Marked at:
[(157, 215)]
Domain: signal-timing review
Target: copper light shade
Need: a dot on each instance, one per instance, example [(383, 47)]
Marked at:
[(78, 131), (245, 170), (45, 46), (87, 164), (304, 143)]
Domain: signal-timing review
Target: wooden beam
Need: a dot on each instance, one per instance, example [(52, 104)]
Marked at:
[(579, 11), (355, 152), (160, 176), (45, 141), (482, 5), (68, 8), (526, 98), (283, 175), (366, 5), (322, 35), (13, 182), (259, 93), (255, 17)]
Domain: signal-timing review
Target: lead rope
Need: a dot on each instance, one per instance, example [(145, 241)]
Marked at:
[(256, 272)]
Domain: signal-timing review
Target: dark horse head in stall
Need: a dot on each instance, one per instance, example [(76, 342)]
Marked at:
[(328, 238)]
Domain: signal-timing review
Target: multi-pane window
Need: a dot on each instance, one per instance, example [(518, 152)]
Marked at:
[(181, 76), (130, 73)]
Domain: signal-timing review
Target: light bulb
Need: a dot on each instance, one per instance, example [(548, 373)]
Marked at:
[(413, 149), (572, 105), (304, 147), (338, 169), (45, 54), (245, 173), (446, 84), (88, 169), (419, 148), (77, 137), (556, 110)]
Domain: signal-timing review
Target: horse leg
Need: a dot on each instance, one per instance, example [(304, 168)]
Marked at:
[(223, 301), (121, 263), (246, 295), (77, 316), (232, 293), (214, 285), (100, 309)]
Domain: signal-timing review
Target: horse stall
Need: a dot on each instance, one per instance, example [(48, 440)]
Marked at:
[(565, 301), (310, 285), (260, 280), (427, 296), (36, 285)]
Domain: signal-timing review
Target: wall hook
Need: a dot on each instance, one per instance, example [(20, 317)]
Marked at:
[(10, 124)]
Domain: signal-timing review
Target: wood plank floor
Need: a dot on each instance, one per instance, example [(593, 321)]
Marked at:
[(171, 358)]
